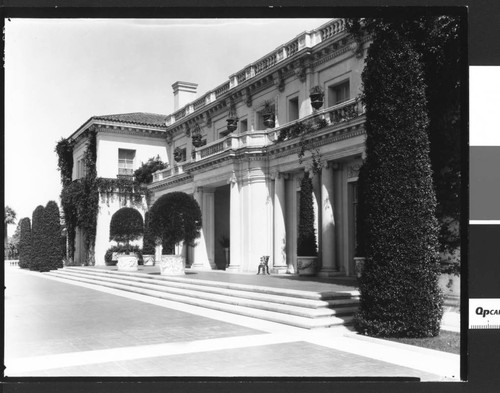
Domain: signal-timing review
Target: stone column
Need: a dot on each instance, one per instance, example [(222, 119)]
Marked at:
[(203, 252), (234, 226), (279, 262), (316, 183), (328, 223)]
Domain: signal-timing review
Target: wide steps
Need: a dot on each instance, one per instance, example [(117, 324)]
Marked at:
[(298, 308)]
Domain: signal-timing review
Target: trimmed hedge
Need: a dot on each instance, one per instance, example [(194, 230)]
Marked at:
[(38, 248), (175, 217), (399, 288), (148, 243), (52, 238), (25, 243), (306, 242), (126, 225)]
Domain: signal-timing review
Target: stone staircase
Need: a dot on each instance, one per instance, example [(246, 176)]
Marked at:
[(304, 309)]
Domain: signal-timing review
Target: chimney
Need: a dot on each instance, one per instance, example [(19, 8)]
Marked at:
[(184, 93)]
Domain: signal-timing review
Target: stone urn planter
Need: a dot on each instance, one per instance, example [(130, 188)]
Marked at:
[(172, 265), (359, 264), (232, 124), (128, 262), (149, 260), (307, 266)]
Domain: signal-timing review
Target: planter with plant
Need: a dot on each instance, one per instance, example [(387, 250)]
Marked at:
[(224, 242), (268, 114), (178, 156), (126, 226), (232, 119), (175, 218), (317, 96), (307, 251)]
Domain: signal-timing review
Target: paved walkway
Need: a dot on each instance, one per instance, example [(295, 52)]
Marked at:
[(57, 328)]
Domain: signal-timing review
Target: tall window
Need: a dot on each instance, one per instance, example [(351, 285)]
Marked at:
[(126, 162), (338, 93), (293, 109), (81, 170)]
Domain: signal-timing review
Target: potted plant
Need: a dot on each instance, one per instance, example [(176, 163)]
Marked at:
[(126, 226), (175, 219), (232, 119), (316, 94), (224, 242), (178, 156), (307, 251), (196, 138), (268, 114)]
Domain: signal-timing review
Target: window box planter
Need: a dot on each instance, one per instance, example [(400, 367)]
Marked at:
[(307, 266), (172, 265)]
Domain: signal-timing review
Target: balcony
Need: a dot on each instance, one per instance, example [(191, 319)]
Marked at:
[(313, 124)]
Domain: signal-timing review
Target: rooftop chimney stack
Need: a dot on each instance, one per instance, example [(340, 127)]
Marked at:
[(184, 93)]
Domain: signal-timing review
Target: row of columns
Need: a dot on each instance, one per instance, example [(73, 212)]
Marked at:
[(323, 186)]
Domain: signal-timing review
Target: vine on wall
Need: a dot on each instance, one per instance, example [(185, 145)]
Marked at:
[(80, 198)]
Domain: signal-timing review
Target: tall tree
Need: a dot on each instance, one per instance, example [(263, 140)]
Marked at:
[(399, 288), (37, 239), (52, 223), (25, 243), (438, 40)]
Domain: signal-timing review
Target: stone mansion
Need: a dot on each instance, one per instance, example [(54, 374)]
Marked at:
[(234, 150)]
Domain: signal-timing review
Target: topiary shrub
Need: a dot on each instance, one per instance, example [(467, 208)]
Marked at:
[(175, 217), (126, 225), (399, 288), (38, 248), (52, 257), (148, 243), (306, 242), (25, 243)]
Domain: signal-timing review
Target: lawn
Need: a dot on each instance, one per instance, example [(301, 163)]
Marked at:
[(446, 341)]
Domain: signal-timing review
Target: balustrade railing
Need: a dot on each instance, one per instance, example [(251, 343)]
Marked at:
[(318, 120), (287, 50)]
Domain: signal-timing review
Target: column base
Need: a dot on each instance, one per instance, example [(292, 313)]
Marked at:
[(279, 269), (201, 266), (329, 273), (233, 269)]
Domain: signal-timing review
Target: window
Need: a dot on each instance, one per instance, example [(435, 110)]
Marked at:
[(338, 93), (244, 125), (293, 109), (81, 169), (126, 162)]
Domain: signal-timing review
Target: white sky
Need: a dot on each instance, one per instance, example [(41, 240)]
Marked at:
[(59, 73)]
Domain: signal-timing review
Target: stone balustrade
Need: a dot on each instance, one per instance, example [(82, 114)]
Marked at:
[(302, 41), (320, 119)]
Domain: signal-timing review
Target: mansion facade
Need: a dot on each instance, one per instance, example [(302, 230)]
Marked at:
[(238, 152)]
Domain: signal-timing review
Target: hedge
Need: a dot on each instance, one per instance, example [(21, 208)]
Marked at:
[(25, 243), (38, 248), (399, 288), (52, 237)]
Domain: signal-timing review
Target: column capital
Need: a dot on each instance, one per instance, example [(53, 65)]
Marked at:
[(233, 179)]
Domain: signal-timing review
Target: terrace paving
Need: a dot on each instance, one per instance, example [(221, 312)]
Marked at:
[(57, 328)]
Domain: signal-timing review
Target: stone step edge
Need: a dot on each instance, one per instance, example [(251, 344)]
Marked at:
[(280, 299), (293, 320), (244, 287), (236, 301)]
